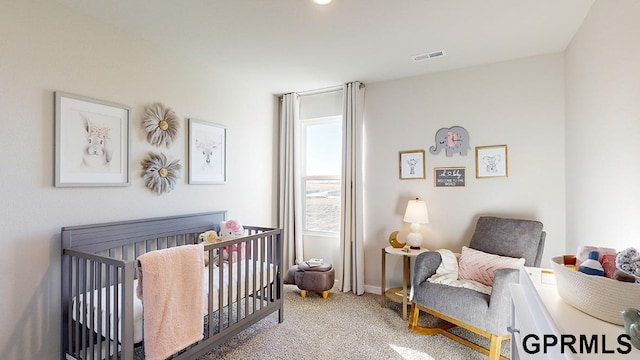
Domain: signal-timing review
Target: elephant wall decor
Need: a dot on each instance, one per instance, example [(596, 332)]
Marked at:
[(453, 140)]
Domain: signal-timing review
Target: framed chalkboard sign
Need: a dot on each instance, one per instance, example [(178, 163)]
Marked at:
[(449, 176)]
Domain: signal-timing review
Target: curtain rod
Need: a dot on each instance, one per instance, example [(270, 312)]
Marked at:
[(321, 91)]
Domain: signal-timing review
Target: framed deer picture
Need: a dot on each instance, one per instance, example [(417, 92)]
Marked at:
[(92, 142), (207, 152)]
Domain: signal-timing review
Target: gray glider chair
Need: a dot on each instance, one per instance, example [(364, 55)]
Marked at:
[(485, 315)]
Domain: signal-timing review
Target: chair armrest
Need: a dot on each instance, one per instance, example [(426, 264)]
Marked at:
[(499, 311), (425, 265)]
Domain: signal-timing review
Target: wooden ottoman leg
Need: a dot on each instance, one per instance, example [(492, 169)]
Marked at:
[(325, 294), (303, 293)]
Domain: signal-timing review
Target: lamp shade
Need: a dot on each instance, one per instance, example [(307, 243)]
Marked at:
[(416, 212)]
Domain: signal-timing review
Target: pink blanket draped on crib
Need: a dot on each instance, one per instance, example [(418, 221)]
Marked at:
[(171, 291)]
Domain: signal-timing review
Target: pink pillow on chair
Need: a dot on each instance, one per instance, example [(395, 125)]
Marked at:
[(481, 266)]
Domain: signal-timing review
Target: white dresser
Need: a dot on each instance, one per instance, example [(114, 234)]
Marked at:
[(540, 315)]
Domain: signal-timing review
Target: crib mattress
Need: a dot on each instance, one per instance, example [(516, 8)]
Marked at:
[(104, 310)]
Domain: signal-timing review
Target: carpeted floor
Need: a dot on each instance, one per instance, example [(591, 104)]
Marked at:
[(344, 326)]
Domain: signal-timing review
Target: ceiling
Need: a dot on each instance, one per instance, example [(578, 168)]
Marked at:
[(296, 45)]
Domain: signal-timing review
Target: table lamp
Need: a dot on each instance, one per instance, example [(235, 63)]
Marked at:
[(416, 214)]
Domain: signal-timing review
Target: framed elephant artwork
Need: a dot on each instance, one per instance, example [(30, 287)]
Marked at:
[(452, 140), (412, 164), (492, 161), (92, 142)]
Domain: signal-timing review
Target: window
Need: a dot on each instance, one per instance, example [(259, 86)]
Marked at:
[(321, 167)]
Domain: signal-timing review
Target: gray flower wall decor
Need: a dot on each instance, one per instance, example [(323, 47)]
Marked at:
[(159, 173), (161, 124)]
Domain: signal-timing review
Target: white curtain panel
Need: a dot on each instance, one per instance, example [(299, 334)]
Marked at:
[(351, 271), (289, 192)]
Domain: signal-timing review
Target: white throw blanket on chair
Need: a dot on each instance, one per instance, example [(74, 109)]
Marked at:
[(447, 274), (170, 287)]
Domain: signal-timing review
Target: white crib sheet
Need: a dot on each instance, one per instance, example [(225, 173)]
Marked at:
[(106, 312)]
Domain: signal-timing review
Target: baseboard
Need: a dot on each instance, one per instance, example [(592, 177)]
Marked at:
[(372, 289)]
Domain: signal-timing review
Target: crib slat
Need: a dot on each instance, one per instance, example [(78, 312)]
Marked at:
[(254, 262), (91, 321), (220, 293), (126, 323)]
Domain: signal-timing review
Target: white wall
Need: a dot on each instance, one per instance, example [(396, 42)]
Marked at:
[(518, 103), (47, 48), (603, 125)]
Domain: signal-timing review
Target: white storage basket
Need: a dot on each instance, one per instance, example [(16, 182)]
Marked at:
[(598, 296)]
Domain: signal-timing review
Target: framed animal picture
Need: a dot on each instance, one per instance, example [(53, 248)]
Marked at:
[(412, 164), (92, 142), (492, 161), (207, 152)]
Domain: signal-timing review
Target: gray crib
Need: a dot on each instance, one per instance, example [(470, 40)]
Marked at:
[(99, 273)]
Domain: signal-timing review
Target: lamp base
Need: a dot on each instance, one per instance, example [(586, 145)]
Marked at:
[(414, 238)]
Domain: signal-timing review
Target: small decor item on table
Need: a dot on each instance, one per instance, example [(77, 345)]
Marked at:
[(393, 240), (631, 318), (592, 266), (159, 173), (313, 262), (161, 124), (416, 214)]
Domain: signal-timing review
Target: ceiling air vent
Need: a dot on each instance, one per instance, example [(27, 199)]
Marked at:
[(427, 56)]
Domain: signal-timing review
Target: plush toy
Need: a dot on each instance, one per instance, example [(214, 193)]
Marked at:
[(211, 237), (628, 260), (229, 230)]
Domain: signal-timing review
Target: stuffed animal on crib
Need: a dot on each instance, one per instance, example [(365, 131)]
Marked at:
[(628, 260), (211, 237), (229, 230)]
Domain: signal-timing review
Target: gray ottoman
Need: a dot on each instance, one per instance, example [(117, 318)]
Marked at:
[(308, 278)]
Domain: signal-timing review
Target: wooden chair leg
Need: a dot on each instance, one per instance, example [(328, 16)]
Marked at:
[(495, 345), (325, 294), (303, 293), (413, 316)]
